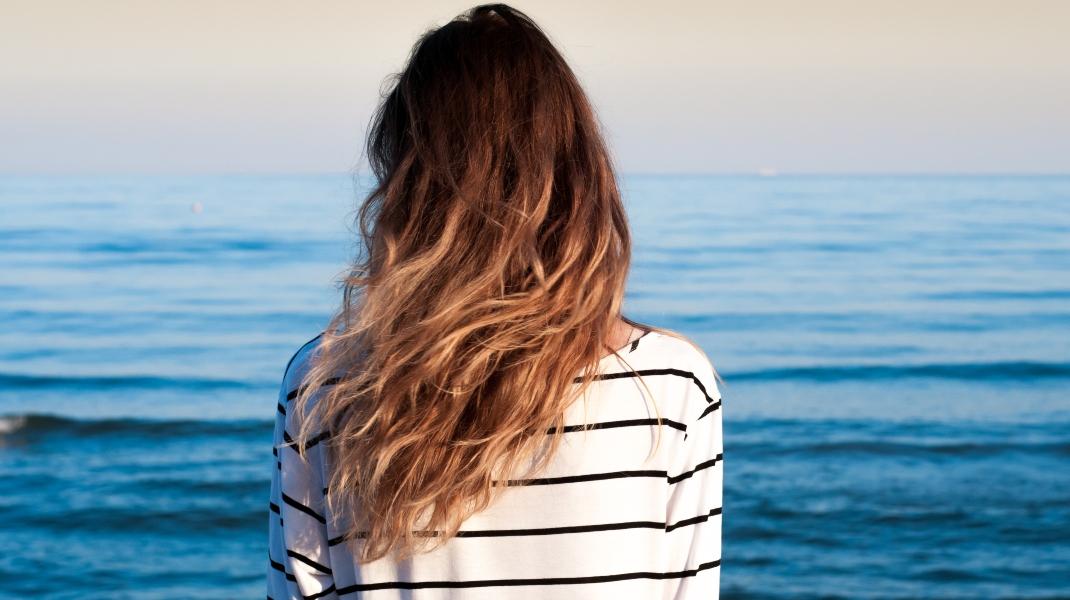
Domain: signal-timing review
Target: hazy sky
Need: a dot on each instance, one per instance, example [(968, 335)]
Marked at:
[(797, 86)]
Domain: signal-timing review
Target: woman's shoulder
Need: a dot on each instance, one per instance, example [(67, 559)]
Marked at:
[(300, 362), (675, 353), (675, 349)]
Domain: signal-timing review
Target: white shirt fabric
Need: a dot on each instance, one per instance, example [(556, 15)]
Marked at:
[(604, 522)]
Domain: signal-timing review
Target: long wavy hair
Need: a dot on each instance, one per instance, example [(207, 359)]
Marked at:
[(490, 279)]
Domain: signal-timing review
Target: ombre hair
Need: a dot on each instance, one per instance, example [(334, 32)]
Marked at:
[(492, 272)]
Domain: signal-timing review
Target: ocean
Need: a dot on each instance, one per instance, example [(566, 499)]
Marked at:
[(895, 351)]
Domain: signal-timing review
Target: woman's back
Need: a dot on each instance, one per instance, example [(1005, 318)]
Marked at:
[(469, 353), (604, 520)]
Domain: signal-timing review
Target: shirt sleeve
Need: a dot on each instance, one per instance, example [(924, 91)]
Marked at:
[(298, 549), (696, 480)]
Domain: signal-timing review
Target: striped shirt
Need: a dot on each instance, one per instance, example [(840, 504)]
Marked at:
[(604, 522)]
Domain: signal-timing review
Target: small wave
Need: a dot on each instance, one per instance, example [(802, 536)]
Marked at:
[(40, 424), (992, 371), (189, 519), (82, 382), (963, 449), (185, 245), (1051, 294)]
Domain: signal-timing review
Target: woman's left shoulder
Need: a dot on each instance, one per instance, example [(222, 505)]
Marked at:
[(300, 363)]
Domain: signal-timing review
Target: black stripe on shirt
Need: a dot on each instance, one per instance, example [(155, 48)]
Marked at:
[(411, 585), (622, 423), (635, 344), (702, 465), (694, 520), (280, 568), (308, 561), (559, 530), (672, 479), (645, 372), (309, 444), (710, 408), (327, 382), (327, 590), (580, 478), (567, 429), (301, 507)]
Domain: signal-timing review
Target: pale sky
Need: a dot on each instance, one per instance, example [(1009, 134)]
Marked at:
[(872, 86)]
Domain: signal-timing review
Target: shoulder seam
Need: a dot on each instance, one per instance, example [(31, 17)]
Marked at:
[(704, 377), (635, 342)]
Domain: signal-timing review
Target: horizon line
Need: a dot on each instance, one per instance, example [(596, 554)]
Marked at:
[(758, 173)]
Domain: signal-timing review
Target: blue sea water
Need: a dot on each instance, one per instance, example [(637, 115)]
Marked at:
[(896, 352)]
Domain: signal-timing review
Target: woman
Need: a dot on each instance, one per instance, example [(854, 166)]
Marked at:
[(478, 420)]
